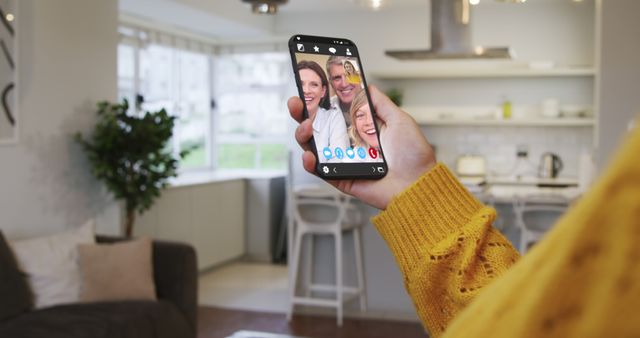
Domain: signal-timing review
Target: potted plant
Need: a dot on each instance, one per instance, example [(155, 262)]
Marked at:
[(395, 95), (130, 155)]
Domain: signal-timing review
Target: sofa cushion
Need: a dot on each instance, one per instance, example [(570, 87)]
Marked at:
[(130, 319), (50, 263), (15, 295), (119, 271)]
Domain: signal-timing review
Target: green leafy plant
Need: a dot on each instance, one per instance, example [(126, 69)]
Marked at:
[(395, 95), (129, 154)]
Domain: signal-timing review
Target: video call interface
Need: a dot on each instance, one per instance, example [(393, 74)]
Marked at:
[(343, 126)]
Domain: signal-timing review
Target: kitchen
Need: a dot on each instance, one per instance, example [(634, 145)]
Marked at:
[(524, 129), (518, 130)]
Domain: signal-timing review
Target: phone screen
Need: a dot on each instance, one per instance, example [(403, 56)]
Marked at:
[(331, 83)]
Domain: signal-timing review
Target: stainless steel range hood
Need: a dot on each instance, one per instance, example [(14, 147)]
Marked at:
[(451, 36)]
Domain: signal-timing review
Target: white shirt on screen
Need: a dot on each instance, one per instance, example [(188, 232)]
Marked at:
[(330, 130)]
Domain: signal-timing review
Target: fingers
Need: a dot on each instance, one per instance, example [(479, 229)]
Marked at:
[(309, 162), (295, 108), (304, 131), (303, 134), (385, 109)]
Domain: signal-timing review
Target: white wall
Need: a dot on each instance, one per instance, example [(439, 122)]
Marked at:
[(560, 31), (67, 62), (619, 77)]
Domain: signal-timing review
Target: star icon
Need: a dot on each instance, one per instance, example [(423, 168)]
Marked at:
[(316, 48)]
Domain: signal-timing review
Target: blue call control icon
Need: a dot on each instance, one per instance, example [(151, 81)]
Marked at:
[(362, 153), (327, 153), (350, 153), (339, 153)]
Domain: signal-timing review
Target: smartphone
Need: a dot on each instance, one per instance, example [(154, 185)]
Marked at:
[(331, 83)]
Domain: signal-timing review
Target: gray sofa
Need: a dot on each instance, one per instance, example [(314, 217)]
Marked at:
[(172, 316)]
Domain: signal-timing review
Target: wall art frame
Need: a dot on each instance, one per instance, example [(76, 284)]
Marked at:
[(9, 113)]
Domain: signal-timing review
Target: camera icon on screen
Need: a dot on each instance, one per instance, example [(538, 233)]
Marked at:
[(300, 47)]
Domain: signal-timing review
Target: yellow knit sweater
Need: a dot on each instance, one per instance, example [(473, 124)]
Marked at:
[(466, 279)]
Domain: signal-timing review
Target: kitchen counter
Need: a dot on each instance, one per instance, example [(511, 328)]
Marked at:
[(509, 193), (534, 181), (562, 190)]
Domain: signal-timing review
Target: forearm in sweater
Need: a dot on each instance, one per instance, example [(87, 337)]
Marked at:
[(444, 243)]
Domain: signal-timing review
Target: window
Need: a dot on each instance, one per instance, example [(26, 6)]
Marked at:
[(251, 124), (231, 108), (126, 73), (179, 81)]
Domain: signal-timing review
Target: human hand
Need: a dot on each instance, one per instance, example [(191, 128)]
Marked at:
[(406, 150)]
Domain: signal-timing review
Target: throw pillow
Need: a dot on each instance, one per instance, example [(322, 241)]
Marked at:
[(15, 295), (51, 265), (119, 271)]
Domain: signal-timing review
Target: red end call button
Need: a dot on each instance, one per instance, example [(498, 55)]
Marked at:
[(373, 153)]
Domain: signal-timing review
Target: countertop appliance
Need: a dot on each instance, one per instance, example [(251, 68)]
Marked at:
[(550, 165), (471, 170)]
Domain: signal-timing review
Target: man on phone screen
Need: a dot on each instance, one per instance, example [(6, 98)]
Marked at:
[(345, 91)]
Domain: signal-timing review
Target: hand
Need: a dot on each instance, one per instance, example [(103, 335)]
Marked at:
[(406, 150)]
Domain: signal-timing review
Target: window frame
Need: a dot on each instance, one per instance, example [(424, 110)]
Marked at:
[(139, 39), (282, 89), (137, 46)]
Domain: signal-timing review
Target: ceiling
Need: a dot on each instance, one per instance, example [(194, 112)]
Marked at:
[(364, 5), (336, 5), (232, 19)]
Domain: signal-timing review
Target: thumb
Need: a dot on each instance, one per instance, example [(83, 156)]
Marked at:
[(385, 109)]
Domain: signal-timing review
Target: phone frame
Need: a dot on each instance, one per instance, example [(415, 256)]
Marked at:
[(349, 170)]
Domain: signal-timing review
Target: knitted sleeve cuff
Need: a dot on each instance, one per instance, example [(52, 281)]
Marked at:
[(432, 208)]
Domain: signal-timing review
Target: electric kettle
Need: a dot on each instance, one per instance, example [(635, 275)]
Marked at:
[(550, 166)]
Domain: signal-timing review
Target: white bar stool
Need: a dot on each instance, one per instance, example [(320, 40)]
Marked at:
[(534, 217), (347, 219)]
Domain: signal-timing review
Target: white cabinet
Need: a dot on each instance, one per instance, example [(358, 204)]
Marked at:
[(209, 216), (471, 70), (528, 122), (459, 107)]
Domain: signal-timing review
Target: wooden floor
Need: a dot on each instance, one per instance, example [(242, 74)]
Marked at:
[(219, 323)]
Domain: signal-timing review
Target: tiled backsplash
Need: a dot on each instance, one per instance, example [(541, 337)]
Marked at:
[(499, 145)]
